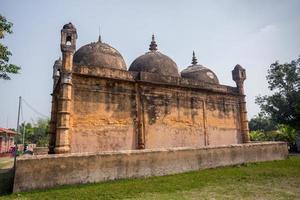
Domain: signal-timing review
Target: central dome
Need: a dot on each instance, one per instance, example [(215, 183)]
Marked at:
[(155, 62), (99, 54)]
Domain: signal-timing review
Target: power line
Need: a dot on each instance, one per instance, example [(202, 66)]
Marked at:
[(34, 110)]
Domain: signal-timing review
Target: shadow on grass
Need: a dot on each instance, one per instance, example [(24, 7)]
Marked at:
[(6, 181)]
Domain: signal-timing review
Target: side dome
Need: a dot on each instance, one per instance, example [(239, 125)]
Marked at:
[(199, 72), (98, 54), (69, 26), (155, 62)]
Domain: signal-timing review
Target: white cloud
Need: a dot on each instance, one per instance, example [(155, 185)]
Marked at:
[(270, 28)]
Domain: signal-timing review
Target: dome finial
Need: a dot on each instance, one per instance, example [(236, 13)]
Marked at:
[(153, 45), (99, 37), (194, 60)]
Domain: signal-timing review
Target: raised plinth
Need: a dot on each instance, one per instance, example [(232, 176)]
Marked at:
[(45, 171)]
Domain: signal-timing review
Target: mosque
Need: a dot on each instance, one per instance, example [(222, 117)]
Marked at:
[(99, 105), (111, 122)]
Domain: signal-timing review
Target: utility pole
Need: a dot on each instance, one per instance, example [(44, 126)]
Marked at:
[(20, 99), (24, 128)]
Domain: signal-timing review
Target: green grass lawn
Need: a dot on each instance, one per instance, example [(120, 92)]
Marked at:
[(268, 180)]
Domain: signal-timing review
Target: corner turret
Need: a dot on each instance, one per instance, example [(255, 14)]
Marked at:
[(239, 76), (68, 47)]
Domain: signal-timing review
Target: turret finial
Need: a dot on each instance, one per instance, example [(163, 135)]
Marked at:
[(99, 37), (153, 45), (194, 60)]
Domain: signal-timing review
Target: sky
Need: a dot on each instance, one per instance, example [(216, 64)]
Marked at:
[(222, 33)]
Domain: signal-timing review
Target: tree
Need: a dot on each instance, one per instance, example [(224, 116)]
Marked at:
[(40, 130), (262, 123), (283, 106), (35, 133), (5, 67)]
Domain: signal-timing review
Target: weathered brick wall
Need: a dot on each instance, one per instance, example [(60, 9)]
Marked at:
[(105, 112), (44, 171), (223, 120), (172, 118), (176, 117), (103, 115)]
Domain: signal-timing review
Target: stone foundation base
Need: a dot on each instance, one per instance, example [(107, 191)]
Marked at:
[(40, 150), (45, 171)]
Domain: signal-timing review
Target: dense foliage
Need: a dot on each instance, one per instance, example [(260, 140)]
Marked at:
[(282, 133), (5, 67), (279, 119), (283, 106), (262, 123), (35, 133)]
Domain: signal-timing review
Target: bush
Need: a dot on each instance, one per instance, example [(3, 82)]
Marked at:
[(283, 133), (257, 136)]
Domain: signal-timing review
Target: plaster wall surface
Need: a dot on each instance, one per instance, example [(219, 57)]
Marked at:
[(174, 117), (107, 113), (103, 115), (45, 171), (223, 121)]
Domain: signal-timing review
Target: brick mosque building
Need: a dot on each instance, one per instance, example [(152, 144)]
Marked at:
[(111, 122), (100, 105)]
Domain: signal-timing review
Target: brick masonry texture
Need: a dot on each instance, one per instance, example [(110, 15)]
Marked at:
[(114, 109)]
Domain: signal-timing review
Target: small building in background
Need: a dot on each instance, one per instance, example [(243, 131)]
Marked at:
[(7, 140)]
